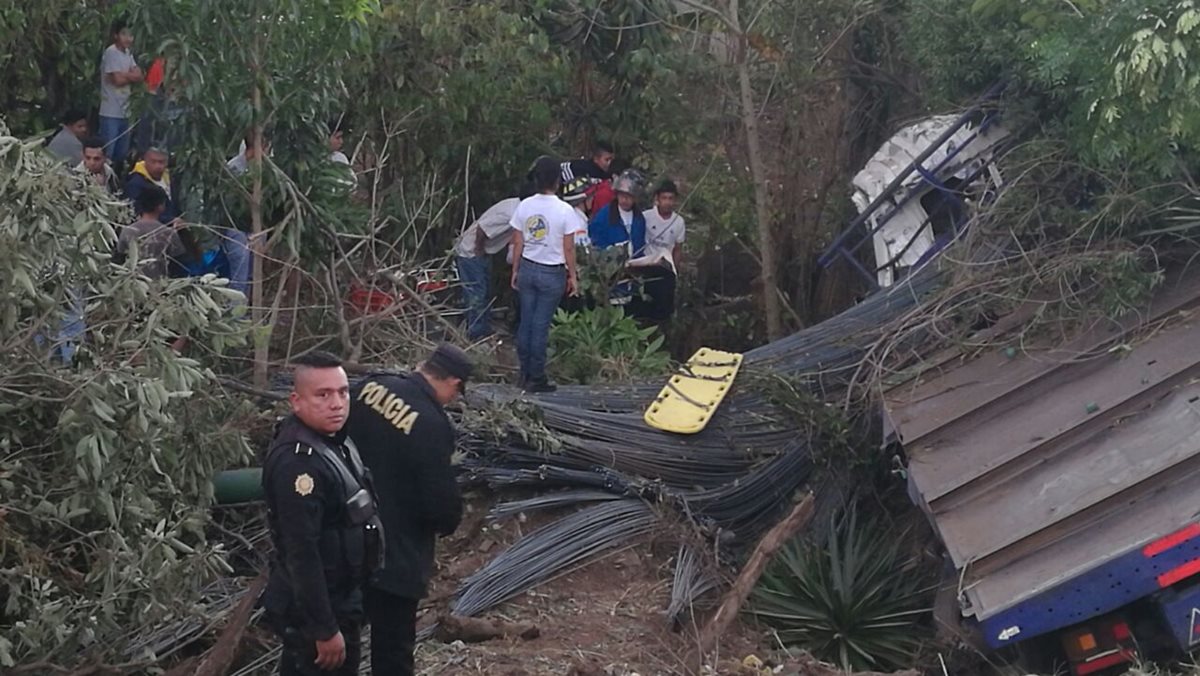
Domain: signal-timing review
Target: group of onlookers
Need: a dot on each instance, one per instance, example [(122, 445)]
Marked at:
[(563, 207), (128, 161)]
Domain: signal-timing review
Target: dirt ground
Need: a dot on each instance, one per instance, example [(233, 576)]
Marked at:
[(606, 618)]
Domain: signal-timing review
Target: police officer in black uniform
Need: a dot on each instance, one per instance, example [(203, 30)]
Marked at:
[(324, 526), (406, 440)]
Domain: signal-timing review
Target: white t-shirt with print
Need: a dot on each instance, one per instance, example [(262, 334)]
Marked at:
[(543, 221), (662, 234)]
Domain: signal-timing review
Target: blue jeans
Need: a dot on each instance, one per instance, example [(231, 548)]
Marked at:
[(541, 288), (71, 330), (235, 244), (475, 273), (114, 131)]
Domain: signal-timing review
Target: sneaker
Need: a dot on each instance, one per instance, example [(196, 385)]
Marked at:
[(539, 386)]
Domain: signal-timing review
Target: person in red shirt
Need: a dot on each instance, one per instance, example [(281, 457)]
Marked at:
[(597, 167)]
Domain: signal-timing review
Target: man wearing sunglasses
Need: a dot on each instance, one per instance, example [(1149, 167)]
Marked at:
[(406, 439)]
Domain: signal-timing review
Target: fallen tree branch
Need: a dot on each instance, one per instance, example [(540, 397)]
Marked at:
[(770, 543), (451, 628), (220, 656), (239, 386)]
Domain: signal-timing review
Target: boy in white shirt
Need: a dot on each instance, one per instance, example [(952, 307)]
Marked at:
[(543, 268), (665, 232)]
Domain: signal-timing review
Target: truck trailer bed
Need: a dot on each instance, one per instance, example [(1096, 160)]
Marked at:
[(1063, 480)]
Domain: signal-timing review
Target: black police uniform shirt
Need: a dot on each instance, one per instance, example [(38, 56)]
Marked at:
[(317, 566), (406, 440)]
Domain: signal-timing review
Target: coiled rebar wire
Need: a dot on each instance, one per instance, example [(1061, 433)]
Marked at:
[(717, 476), (504, 510), (691, 581), (222, 595), (744, 509), (553, 548), (549, 476)]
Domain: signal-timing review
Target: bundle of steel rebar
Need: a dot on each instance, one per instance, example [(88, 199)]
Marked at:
[(551, 549), (732, 479), (745, 509), (566, 498), (692, 580)]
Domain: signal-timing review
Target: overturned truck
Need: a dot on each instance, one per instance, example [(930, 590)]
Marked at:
[(1063, 477)]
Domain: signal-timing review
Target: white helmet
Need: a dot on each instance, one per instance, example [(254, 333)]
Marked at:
[(630, 181)]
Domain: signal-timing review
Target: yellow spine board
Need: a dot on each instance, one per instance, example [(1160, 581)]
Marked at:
[(692, 395)]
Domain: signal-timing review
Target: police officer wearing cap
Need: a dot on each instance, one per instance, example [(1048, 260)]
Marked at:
[(406, 439), (324, 526)]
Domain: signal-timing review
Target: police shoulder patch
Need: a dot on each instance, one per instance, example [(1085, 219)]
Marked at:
[(304, 484)]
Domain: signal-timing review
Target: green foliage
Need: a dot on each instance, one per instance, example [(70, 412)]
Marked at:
[(295, 56), (518, 420), (721, 203), (599, 269), (852, 601), (104, 464), (1118, 80), (804, 410), (50, 58), (450, 75), (1151, 90), (603, 345)]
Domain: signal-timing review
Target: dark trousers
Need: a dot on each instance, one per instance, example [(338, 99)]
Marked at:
[(299, 653), (393, 632), (658, 285)]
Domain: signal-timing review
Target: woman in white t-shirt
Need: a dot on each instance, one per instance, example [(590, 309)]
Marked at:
[(543, 268)]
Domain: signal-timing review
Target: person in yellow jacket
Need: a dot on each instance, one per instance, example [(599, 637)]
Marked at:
[(152, 170)]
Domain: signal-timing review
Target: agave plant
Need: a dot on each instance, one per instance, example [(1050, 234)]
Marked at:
[(850, 600)]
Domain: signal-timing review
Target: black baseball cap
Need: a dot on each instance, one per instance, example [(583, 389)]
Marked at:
[(544, 167), (454, 361)]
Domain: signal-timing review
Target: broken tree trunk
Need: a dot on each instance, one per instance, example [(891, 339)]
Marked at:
[(262, 327), (775, 538), (453, 628), (220, 656), (772, 307)]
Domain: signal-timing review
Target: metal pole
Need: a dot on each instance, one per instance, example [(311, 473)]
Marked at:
[(832, 252)]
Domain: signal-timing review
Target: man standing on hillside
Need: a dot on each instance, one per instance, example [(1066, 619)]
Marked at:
[(487, 236), (324, 524), (407, 441), (665, 231), (118, 71)]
